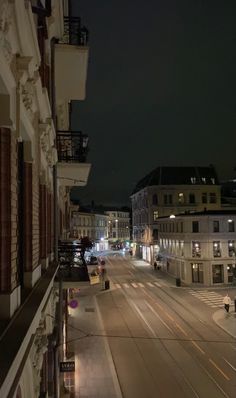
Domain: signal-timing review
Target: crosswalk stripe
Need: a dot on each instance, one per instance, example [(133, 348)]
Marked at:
[(126, 285), (134, 285), (150, 284), (158, 284), (117, 285), (140, 284)]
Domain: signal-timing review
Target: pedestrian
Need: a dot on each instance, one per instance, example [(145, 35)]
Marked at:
[(227, 302), (155, 265)]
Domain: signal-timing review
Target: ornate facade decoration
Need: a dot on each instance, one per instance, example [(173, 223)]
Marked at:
[(6, 16), (37, 352), (28, 98)]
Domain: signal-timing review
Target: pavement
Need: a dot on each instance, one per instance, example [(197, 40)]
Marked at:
[(95, 375)]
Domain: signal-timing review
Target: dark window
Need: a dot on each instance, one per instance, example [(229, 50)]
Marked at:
[(155, 234), (170, 199), (204, 197), (212, 197), (191, 198), (181, 227), (217, 273), (216, 226), (154, 199), (231, 225), (197, 273), (195, 226), (165, 199)]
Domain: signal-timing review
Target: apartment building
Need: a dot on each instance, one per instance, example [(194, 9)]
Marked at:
[(166, 191), (199, 248), (118, 226), (43, 66), (93, 225)]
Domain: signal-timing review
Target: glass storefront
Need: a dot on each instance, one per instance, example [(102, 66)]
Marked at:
[(197, 272), (217, 273)]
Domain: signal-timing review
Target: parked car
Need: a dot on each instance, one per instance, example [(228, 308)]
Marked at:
[(92, 260)]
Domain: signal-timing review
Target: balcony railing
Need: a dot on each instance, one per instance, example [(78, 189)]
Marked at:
[(72, 146), (72, 266), (74, 34)]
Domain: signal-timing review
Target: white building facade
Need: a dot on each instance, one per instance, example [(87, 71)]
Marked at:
[(199, 248), (118, 226)]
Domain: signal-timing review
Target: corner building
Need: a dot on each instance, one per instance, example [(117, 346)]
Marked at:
[(43, 66), (168, 191)]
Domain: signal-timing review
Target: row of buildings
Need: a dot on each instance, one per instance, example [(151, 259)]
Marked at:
[(105, 229), (43, 67), (180, 220)]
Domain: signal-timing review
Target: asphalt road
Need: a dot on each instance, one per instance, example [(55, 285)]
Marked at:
[(162, 339)]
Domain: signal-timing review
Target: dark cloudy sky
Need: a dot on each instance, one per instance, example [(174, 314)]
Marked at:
[(161, 90)]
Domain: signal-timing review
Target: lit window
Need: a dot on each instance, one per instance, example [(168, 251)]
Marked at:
[(230, 225), (213, 180), (204, 180), (181, 198), (155, 215), (216, 249), (196, 249), (231, 248)]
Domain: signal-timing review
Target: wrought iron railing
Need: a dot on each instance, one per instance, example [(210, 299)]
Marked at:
[(74, 33), (72, 146)]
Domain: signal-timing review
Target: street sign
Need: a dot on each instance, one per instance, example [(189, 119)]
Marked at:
[(67, 366)]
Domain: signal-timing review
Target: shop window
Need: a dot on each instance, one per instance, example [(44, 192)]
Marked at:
[(197, 272), (230, 275), (196, 249), (216, 249), (217, 273), (204, 197), (212, 197), (231, 248), (195, 226), (192, 198), (216, 226)]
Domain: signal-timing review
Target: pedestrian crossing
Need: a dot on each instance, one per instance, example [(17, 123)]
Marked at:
[(212, 299), (137, 285)]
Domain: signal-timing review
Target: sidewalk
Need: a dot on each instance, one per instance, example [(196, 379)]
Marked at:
[(95, 376)]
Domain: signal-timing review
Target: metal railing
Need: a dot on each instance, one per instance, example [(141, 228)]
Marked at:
[(74, 33), (72, 146)]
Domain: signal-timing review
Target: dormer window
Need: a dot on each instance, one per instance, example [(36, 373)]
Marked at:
[(213, 181), (204, 180), (193, 180)]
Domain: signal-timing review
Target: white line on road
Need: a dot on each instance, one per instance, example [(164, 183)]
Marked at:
[(144, 320), (150, 284), (140, 284), (126, 285), (117, 285), (158, 316), (158, 284), (134, 285), (230, 364)]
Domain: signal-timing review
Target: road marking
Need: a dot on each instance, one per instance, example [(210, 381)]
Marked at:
[(150, 284), (158, 284), (144, 320), (180, 328), (197, 346), (117, 285), (134, 285), (158, 316), (217, 367), (126, 285), (140, 284), (230, 364)]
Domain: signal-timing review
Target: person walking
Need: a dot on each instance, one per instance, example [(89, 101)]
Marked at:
[(227, 302)]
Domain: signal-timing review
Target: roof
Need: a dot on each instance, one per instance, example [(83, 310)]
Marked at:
[(178, 176)]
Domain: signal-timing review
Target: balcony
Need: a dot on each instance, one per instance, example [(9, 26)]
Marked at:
[(71, 62), (72, 267), (72, 149)]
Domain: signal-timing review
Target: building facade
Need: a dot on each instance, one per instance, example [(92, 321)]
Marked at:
[(166, 191), (199, 248), (42, 68), (92, 225), (118, 226)]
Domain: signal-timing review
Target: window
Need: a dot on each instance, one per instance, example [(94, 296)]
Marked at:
[(204, 180), (197, 272), (196, 249), (204, 197), (230, 225), (181, 198), (195, 226), (212, 197), (155, 215), (181, 227), (165, 199), (191, 198), (113, 234), (216, 226), (170, 199), (230, 273), (155, 234), (217, 273), (231, 248), (193, 180), (154, 199), (216, 249)]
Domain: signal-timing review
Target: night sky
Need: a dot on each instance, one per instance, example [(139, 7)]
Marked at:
[(161, 91)]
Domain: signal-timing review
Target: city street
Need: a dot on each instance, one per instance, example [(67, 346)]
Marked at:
[(151, 338)]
